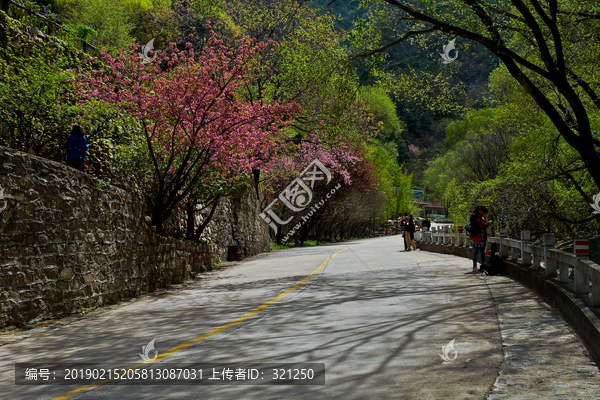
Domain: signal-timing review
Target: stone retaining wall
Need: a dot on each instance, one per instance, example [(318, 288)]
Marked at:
[(69, 241)]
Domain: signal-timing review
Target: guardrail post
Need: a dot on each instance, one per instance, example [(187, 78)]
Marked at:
[(525, 240), (581, 249), (461, 236), (513, 253), (563, 272), (503, 234), (548, 242), (581, 282), (454, 238), (595, 295), (488, 234), (446, 236), (537, 252)]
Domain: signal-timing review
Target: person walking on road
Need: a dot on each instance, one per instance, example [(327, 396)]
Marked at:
[(76, 148), (478, 234), (409, 233)]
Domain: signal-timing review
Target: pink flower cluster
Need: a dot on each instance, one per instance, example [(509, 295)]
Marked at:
[(413, 149), (190, 107), (340, 159)]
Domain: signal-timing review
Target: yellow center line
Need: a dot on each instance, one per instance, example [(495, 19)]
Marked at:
[(215, 331)]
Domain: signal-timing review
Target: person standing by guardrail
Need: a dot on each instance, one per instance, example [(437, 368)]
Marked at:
[(478, 234), (427, 224), (410, 232), (403, 229)]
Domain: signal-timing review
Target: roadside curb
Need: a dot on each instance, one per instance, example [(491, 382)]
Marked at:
[(558, 295)]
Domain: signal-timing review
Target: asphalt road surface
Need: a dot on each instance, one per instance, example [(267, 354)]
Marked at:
[(375, 316)]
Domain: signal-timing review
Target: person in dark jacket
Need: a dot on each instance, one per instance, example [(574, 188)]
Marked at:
[(76, 148), (409, 233), (427, 224), (403, 229), (479, 239)]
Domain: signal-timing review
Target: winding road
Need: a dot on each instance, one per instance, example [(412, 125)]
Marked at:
[(377, 317)]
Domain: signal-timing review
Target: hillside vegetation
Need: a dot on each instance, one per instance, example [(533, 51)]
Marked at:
[(359, 85)]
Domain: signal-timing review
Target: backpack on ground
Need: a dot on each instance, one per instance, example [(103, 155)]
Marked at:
[(496, 264)]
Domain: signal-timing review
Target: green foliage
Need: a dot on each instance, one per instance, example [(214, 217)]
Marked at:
[(472, 121), (209, 8), (38, 104), (389, 128), (37, 111), (112, 20), (517, 164), (83, 32), (391, 181), (308, 65)]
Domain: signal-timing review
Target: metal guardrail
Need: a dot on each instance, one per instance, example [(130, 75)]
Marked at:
[(31, 18), (557, 263)]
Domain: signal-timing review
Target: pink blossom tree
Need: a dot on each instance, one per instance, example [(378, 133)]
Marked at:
[(197, 127), (350, 173)]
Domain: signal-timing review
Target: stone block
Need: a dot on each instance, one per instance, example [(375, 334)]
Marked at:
[(40, 275), (66, 273), (49, 261), (24, 307), (26, 251), (90, 238), (19, 279), (51, 273), (62, 285), (39, 303), (100, 237), (24, 212)]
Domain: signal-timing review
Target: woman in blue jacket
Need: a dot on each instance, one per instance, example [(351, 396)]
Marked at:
[(76, 148)]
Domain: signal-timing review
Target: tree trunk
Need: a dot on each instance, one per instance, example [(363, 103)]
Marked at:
[(158, 218), (205, 223)]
